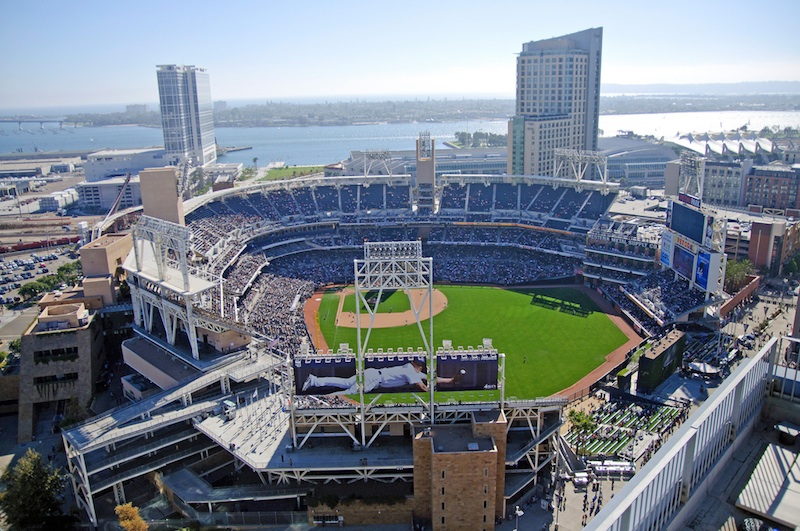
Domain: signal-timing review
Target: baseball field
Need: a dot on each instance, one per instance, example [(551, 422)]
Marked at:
[(552, 337)]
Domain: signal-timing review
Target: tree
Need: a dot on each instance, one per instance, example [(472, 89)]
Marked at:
[(736, 273), (583, 423), (255, 163), (32, 489), (129, 518), (31, 289)]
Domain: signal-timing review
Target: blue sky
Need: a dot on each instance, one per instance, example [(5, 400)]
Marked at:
[(58, 53)]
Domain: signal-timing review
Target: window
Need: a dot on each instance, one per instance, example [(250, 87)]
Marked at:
[(442, 491)]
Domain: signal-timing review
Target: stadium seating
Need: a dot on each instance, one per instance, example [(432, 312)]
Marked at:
[(276, 243)]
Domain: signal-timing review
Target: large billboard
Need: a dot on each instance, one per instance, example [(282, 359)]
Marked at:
[(683, 262), (687, 221), (455, 371), (322, 375), (471, 371)]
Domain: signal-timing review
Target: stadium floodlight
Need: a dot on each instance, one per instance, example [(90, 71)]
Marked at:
[(578, 162)]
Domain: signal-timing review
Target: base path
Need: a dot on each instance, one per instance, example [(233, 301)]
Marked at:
[(310, 312), (392, 319)]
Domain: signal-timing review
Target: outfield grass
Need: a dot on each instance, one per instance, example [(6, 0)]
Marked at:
[(551, 337), (391, 301)]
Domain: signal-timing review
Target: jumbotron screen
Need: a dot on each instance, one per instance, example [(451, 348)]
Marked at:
[(688, 222)]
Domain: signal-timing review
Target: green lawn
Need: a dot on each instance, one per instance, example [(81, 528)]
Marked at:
[(289, 172), (391, 301), (551, 337)]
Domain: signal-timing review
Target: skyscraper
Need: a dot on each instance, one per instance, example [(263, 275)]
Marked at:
[(558, 100), (187, 113)]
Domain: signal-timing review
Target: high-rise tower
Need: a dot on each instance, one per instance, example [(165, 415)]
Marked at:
[(187, 113), (558, 100)]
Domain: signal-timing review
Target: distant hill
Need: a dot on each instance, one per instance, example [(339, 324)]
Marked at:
[(753, 87)]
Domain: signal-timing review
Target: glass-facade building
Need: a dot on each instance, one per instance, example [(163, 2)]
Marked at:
[(187, 113)]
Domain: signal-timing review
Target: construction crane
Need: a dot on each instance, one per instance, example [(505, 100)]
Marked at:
[(97, 230)]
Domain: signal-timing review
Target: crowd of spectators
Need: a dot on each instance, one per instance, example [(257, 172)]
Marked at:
[(273, 306), (496, 265), (242, 273), (633, 312), (666, 295)]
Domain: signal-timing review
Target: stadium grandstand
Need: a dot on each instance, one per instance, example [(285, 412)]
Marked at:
[(233, 436), (218, 306)]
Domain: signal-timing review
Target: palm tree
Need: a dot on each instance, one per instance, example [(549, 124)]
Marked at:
[(255, 163)]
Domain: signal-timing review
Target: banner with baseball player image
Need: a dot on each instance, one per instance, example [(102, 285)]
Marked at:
[(466, 371), (382, 374), (322, 375)]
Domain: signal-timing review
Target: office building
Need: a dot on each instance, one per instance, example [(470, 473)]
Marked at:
[(187, 113), (99, 196), (118, 162), (558, 98), (774, 187)]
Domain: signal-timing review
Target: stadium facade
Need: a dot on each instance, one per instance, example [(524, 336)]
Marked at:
[(187, 113), (558, 100)]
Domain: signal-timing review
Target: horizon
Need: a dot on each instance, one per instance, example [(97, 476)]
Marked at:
[(359, 50), (633, 91)]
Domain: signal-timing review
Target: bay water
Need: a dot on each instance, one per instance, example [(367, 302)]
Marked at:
[(324, 145)]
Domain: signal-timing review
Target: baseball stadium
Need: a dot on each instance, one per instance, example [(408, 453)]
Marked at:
[(322, 349)]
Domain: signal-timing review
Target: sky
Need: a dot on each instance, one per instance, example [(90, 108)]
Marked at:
[(57, 53)]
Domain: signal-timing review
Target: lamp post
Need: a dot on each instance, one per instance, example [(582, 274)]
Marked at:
[(517, 512)]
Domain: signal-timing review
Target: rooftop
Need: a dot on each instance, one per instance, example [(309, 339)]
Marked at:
[(456, 439)]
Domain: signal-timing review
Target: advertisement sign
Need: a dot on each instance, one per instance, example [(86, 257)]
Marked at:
[(466, 371), (689, 199), (702, 269), (683, 262), (666, 248), (321, 375)]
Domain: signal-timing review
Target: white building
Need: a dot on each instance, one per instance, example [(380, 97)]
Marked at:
[(117, 162), (58, 200), (187, 113), (558, 100), (101, 195)]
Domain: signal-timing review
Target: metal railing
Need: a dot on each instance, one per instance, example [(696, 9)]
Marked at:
[(663, 486)]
